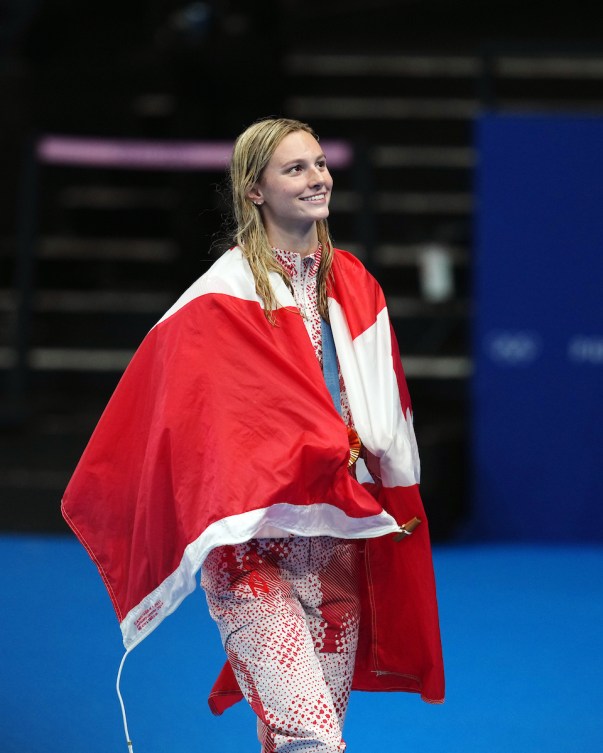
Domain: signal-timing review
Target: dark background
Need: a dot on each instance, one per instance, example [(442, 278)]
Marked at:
[(89, 259)]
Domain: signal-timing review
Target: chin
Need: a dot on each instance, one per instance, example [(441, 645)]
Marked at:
[(321, 213)]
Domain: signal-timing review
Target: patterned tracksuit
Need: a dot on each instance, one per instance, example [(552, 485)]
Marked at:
[(287, 608)]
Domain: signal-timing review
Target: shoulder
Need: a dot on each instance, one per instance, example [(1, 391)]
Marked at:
[(230, 264), (348, 268), (228, 275)]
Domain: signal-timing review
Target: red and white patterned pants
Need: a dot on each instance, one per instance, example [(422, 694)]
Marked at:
[(288, 612)]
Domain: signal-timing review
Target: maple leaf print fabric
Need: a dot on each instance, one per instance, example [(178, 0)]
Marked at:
[(288, 614)]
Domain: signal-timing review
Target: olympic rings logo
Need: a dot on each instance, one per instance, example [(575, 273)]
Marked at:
[(513, 348)]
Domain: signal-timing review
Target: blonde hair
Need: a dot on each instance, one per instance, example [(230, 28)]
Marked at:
[(252, 151)]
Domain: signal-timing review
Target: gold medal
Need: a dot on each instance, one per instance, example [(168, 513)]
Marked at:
[(355, 445)]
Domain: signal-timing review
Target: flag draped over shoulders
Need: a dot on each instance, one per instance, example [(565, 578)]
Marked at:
[(222, 429)]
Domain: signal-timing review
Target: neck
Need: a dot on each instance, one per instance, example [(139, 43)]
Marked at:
[(302, 244)]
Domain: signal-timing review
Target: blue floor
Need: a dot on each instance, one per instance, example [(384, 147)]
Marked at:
[(522, 630)]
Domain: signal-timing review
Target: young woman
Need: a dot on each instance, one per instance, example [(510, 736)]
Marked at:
[(232, 444)]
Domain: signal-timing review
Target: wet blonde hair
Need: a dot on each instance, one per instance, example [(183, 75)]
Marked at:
[(252, 151)]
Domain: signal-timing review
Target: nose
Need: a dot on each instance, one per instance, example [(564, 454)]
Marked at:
[(316, 177)]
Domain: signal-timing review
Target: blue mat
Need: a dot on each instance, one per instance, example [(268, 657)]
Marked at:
[(522, 643)]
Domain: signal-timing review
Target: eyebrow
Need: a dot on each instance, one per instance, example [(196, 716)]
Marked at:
[(301, 159)]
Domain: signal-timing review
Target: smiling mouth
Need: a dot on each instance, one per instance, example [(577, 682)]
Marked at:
[(316, 197)]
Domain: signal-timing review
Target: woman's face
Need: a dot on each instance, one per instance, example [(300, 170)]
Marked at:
[(295, 187)]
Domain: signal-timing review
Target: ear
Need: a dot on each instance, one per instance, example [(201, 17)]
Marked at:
[(255, 194)]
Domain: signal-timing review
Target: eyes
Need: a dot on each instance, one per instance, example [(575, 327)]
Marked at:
[(321, 164)]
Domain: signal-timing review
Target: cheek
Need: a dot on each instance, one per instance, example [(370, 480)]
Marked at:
[(290, 192)]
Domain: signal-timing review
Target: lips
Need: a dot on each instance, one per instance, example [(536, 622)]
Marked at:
[(315, 197)]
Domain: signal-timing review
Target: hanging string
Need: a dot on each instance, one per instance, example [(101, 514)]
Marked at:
[(121, 703)]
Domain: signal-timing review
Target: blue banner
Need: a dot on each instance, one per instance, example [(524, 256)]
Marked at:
[(538, 332)]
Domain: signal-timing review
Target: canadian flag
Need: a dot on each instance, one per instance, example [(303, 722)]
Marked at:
[(222, 429)]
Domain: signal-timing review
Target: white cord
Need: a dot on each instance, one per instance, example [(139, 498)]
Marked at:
[(121, 703)]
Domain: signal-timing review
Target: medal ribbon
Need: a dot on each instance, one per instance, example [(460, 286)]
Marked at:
[(331, 375)]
